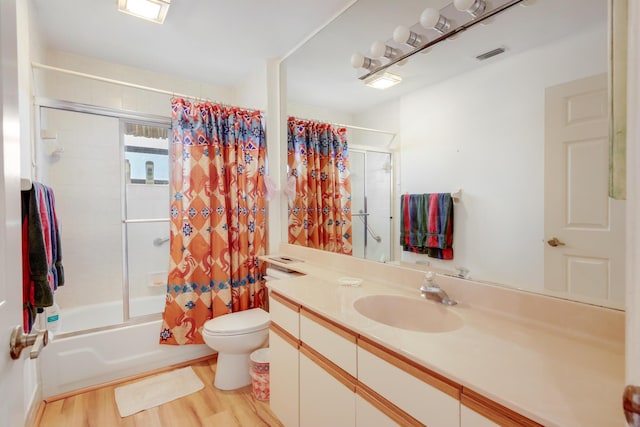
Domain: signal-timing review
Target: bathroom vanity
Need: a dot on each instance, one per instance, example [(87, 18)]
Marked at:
[(509, 358)]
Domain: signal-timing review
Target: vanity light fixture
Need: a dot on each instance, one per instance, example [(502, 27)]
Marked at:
[(433, 27), (383, 81), (431, 18), (474, 7), (151, 10)]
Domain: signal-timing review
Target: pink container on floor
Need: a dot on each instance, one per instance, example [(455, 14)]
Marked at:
[(259, 370)]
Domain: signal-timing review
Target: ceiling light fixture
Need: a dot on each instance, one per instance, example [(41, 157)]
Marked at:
[(383, 81), (151, 10)]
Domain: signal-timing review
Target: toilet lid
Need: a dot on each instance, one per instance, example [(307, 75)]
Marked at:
[(240, 322)]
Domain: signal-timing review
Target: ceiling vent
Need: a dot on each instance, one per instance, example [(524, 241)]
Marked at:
[(490, 54)]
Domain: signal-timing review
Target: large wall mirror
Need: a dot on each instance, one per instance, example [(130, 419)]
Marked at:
[(524, 134)]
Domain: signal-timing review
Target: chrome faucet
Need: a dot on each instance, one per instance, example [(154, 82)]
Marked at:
[(431, 290)]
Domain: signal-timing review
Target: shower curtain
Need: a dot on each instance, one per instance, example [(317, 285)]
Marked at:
[(217, 217), (319, 187)]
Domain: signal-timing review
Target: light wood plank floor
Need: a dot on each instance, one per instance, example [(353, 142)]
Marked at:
[(207, 407)]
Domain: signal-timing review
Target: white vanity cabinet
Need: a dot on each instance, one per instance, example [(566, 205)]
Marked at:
[(284, 360), (323, 374), (426, 397)]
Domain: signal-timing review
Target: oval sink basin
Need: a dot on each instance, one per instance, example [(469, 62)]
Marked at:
[(408, 313)]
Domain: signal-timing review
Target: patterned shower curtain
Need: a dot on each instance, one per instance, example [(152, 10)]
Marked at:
[(217, 217), (318, 170)]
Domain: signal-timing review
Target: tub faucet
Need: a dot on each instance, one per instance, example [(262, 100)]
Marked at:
[(431, 290)]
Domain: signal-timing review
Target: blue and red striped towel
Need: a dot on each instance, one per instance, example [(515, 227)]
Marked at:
[(426, 225)]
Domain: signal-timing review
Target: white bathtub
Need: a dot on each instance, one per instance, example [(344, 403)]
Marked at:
[(106, 314), (84, 359)]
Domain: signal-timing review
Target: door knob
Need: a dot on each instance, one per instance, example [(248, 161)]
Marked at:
[(19, 341), (554, 241)]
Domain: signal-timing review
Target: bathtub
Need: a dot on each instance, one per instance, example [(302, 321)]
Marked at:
[(74, 360), (105, 314)]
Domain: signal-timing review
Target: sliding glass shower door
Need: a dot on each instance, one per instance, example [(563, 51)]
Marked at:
[(371, 189)]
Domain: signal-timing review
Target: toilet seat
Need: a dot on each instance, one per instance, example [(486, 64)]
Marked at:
[(241, 322)]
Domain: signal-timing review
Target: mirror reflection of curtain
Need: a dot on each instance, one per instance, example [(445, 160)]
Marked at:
[(318, 168), (217, 217)]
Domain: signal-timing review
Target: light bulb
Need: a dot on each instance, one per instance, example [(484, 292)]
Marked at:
[(380, 49), (429, 18), (358, 60), (404, 35), (474, 7)]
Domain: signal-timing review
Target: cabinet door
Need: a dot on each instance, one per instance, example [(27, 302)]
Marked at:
[(283, 378), (324, 400)]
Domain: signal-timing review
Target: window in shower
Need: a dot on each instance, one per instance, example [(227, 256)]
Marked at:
[(110, 180), (371, 187)]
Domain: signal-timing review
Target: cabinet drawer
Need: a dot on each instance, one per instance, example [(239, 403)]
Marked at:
[(429, 400), (333, 342), (285, 314)]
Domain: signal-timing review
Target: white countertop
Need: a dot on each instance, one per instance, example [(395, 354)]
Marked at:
[(555, 379)]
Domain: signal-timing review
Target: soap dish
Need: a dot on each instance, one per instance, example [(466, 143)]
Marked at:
[(350, 281)]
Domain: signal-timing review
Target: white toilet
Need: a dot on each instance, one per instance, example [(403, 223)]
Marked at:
[(235, 336)]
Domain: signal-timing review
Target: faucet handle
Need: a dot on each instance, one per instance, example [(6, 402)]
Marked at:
[(430, 284)]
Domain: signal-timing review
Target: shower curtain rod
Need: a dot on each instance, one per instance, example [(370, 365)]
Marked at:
[(387, 132), (128, 84)]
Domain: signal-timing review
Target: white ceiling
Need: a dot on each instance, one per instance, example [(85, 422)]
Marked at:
[(217, 42), (222, 43)]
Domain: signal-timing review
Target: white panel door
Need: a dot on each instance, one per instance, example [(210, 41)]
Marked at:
[(12, 401), (586, 259)]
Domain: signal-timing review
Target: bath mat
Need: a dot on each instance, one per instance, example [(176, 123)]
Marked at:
[(154, 391)]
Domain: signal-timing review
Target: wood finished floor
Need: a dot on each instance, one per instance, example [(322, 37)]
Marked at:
[(207, 407)]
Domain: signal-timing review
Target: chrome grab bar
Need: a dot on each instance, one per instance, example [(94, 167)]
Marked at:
[(369, 229), (159, 241)]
